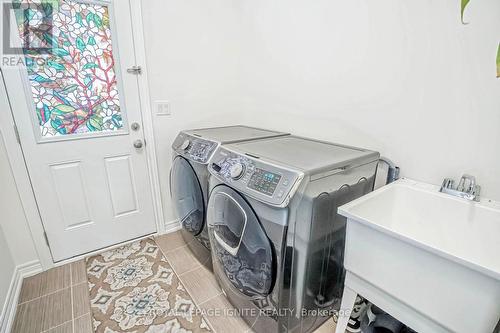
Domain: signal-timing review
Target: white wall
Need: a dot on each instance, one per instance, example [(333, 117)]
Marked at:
[(193, 50), (403, 77), (16, 244), (6, 272), (12, 219)]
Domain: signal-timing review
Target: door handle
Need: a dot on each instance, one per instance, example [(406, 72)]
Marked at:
[(138, 144), (232, 250)]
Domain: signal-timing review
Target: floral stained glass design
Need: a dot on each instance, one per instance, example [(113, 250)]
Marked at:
[(73, 83)]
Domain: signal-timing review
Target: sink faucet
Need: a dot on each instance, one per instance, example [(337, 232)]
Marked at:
[(467, 188), (392, 170)]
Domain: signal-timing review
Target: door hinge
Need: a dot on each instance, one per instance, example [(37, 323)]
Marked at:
[(46, 239), (16, 132), (144, 142), (135, 70)]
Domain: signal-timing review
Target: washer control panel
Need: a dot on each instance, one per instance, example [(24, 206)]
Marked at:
[(194, 148), (263, 181)]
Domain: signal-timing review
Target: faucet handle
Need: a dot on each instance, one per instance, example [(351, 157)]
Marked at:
[(448, 183), (462, 184), (476, 192)]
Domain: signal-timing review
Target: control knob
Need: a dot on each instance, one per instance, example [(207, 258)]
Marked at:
[(185, 145), (236, 170)]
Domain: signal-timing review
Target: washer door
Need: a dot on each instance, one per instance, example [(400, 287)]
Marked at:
[(187, 195), (239, 243)]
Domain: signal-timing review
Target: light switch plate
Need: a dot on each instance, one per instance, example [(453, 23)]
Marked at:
[(163, 108)]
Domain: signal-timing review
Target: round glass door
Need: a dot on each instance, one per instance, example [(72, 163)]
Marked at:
[(239, 242), (187, 195)]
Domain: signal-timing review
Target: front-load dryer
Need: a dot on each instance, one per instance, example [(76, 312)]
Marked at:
[(277, 240), (192, 150)]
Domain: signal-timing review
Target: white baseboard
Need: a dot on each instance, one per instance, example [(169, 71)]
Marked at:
[(172, 226), (10, 305)]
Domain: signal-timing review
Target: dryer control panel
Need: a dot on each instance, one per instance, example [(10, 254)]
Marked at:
[(194, 148), (262, 180)]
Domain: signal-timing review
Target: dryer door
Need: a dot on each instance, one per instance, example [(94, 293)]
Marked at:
[(239, 243), (187, 195)]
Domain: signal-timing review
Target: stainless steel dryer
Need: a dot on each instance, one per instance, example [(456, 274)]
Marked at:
[(277, 240), (192, 150)]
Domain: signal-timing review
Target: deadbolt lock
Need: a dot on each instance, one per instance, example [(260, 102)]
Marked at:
[(135, 126)]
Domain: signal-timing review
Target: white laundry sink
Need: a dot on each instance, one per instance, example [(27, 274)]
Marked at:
[(434, 257)]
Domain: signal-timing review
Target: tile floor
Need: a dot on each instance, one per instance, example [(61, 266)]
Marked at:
[(57, 301)]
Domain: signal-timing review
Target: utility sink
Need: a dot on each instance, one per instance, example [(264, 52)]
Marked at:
[(433, 257), (464, 231)]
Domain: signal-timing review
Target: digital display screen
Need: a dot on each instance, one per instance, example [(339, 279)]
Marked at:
[(264, 181)]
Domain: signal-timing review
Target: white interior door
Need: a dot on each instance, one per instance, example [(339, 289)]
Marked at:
[(78, 114)]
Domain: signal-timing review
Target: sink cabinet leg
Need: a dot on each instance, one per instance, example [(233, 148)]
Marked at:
[(348, 300)]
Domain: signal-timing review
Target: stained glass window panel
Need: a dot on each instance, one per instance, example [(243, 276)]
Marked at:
[(73, 80)]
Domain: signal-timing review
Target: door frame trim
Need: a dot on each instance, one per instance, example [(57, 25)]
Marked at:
[(15, 156), (146, 112), (20, 171)]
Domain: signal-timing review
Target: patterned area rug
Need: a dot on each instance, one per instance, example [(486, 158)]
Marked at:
[(133, 289)]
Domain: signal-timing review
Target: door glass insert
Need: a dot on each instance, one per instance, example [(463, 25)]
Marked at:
[(187, 196), (251, 269), (71, 67), (230, 224)]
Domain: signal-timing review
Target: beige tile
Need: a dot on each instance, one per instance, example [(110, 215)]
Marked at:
[(214, 313), (83, 324), (200, 284), (182, 260), (28, 319), (78, 272), (328, 327), (171, 241), (81, 302), (43, 313), (45, 283), (64, 328)]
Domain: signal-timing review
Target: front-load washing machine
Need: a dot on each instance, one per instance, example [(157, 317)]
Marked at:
[(277, 240), (192, 150)]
